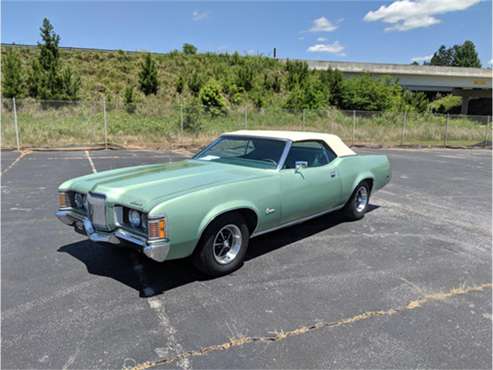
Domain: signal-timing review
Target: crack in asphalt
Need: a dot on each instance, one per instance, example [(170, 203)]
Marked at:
[(282, 335)]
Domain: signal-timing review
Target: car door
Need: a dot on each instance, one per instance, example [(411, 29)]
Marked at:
[(311, 187)]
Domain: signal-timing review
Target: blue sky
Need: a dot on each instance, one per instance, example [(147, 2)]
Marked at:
[(371, 31)]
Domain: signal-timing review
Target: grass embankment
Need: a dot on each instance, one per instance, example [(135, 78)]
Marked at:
[(79, 124)]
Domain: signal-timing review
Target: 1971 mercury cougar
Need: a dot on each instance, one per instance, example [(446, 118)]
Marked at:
[(243, 184)]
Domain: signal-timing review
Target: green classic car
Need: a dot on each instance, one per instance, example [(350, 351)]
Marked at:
[(243, 184)]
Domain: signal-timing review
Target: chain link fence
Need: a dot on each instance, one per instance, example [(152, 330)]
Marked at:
[(28, 123)]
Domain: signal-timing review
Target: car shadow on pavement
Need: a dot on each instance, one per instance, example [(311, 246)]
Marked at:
[(151, 278)]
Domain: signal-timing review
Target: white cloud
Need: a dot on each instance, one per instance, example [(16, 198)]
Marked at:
[(322, 24), (199, 16), (334, 48), (426, 58), (321, 39), (405, 15)]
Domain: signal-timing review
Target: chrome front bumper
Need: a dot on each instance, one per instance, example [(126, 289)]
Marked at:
[(156, 250)]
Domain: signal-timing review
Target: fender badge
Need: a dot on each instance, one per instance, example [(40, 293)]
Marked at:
[(268, 211)]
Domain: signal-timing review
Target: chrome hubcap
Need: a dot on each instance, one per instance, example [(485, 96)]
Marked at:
[(227, 244), (361, 199)]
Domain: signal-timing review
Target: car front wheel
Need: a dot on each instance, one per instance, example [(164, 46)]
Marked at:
[(223, 246)]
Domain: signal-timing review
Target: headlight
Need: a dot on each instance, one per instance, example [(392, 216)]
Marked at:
[(79, 200), (134, 218)]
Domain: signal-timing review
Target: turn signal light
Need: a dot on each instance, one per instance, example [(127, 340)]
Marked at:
[(157, 229), (62, 200)]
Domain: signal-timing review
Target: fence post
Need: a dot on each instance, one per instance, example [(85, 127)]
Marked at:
[(486, 132), (403, 132), (354, 128), (246, 117), (16, 127), (445, 136), (181, 118), (105, 124), (303, 119)]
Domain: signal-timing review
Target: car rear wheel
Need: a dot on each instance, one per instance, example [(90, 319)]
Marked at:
[(357, 205), (223, 245)]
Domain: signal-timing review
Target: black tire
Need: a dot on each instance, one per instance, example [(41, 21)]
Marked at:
[(354, 210), (207, 259)]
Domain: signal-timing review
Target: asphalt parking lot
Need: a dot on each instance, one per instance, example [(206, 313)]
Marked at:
[(409, 286)]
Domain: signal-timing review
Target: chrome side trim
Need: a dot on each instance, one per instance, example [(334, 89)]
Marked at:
[(295, 222)]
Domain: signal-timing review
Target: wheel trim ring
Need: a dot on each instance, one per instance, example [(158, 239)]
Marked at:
[(227, 244), (361, 199)]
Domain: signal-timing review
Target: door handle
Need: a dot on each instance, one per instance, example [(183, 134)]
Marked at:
[(332, 173)]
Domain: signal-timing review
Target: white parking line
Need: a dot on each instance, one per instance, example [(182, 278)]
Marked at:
[(91, 162), (22, 155)]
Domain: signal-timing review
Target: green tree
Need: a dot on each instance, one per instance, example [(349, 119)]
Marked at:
[(129, 99), (70, 84), (47, 79), (148, 81), (443, 57), (465, 55), (189, 49), (297, 73), (211, 98), (245, 77), (12, 82), (332, 78), (272, 82)]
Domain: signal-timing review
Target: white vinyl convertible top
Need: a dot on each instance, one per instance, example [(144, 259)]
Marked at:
[(333, 141)]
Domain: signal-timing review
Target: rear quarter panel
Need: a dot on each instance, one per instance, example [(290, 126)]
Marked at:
[(354, 169), (188, 215)]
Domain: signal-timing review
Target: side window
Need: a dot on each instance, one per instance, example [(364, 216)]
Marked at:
[(330, 154), (314, 153)]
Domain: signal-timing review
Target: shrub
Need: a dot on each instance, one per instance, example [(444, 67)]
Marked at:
[(369, 93), (180, 85), (211, 98), (445, 104), (297, 73), (195, 83), (192, 117), (129, 100), (245, 77)]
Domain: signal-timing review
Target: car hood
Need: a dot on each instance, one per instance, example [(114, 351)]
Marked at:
[(142, 187)]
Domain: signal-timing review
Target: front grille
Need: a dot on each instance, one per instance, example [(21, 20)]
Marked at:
[(97, 210)]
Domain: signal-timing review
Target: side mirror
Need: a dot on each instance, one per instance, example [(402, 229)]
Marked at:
[(299, 165)]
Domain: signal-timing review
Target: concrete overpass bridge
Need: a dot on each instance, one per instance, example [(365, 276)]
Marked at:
[(472, 84)]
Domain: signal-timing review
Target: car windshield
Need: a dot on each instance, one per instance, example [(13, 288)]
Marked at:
[(244, 151)]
